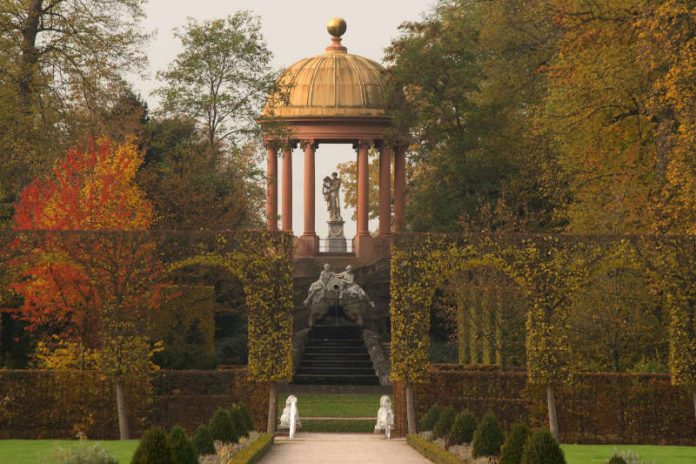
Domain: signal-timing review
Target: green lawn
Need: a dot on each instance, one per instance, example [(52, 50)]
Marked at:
[(333, 405), (43, 451), (598, 454)]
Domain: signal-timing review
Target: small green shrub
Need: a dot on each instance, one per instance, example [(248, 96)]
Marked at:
[(239, 422), (85, 454), (202, 441), (511, 452), (181, 446), (463, 428), (542, 449), (444, 423), (429, 419), (488, 438), (222, 428), (153, 448), (246, 414), (625, 457)]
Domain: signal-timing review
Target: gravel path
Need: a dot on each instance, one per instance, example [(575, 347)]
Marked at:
[(341, 448)]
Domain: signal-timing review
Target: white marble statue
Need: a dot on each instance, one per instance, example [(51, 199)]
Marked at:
[(290, 419), (331, 190), (385, 416), (320, 286), (331, 289)]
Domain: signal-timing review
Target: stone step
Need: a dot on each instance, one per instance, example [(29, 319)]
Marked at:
[(336, 362), (335, 370), (323, 379), (335, 349)]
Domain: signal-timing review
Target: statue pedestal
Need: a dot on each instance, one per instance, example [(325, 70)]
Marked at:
[(336, 240)]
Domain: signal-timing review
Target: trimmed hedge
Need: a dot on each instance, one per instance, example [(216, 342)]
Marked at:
[(254, 452), (444, 423), (53, 404), (463, 428), (541, 448), (430, 418), (431, 450), (488, 438), (596, 408)]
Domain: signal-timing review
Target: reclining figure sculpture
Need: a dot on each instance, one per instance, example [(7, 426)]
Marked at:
[(337, 289)]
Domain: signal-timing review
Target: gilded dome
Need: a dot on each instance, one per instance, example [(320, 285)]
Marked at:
[(333, 84)]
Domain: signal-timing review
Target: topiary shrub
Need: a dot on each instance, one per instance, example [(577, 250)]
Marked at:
[(85, 454), (246, 414), (444, 423), (239, 422), (511, 452), (463, 428), (625, 457), (429, 419), (202, 441), (221, 427), (542, 449), (153, 448), (181, 446), (488, 438)]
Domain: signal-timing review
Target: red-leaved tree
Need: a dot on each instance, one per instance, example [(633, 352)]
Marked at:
[(89, 275)]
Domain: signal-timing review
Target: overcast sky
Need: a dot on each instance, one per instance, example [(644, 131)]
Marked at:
[(293, 29)]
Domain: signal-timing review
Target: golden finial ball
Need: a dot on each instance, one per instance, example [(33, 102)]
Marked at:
[(336, 26)]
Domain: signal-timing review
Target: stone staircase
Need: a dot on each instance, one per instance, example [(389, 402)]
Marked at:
[(335, 355)]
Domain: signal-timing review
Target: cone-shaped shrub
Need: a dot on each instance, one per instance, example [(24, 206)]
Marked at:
[(153, 448), (542, 449), (488, 438), (181, 446), (463, 428), (511, 452), (221, 427), (429, 419), (239, 423), (202, 441), (444, 423), (246, 414)]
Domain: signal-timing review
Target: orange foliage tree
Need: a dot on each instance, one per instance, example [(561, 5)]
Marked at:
[(90, 276)]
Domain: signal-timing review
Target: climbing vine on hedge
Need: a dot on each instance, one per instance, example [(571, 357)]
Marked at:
[(421, 264), (262, 261)]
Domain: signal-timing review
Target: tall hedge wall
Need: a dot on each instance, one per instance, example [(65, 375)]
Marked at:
[(594, 408), (58, 404)]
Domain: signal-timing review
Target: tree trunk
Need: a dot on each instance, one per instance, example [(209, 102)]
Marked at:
[(123, 431), (553, 419), (272, 407), (29, 60), (693, 393), (410, 410)]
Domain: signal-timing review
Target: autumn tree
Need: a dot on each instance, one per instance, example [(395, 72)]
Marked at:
[(60, 61), (221, 77), (189, 193), (94, 287), (349, 183), (616, 323), (464, 84)]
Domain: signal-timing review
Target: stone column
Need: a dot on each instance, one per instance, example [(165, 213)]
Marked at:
[(363, 187), (286, 214), (399, 188), (385, 190), (271, 187), (309, 147)]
